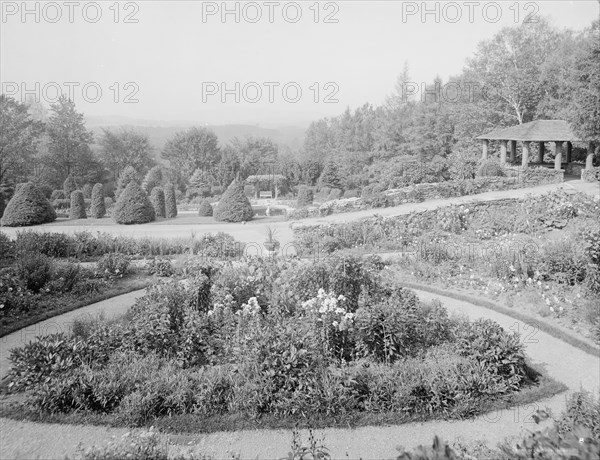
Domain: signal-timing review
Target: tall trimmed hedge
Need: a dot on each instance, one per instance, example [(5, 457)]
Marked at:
[(157, 198), (206, 209), (234, 205), (305, 196), (77, 205), (170, 201), (28, 206), (98, 208), (87, 191), (133, 206)]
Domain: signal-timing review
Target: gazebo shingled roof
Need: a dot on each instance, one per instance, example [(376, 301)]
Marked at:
[(534, 131)]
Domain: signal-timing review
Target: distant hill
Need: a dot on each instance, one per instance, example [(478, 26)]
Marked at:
[(158, 131)]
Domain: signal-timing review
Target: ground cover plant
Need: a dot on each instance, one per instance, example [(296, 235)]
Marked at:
[(539, 253), (275, 342)]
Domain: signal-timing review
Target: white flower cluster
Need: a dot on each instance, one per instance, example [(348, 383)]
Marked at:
[(330, 305), (252, 308)]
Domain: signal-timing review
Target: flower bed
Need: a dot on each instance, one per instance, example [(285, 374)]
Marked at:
[(274, 340)]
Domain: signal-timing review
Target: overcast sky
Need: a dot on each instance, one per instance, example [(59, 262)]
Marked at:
[(171, 60)]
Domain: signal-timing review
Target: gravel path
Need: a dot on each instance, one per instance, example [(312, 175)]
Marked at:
[(575, 368)]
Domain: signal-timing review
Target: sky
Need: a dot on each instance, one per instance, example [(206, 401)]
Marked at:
[(261, 63)]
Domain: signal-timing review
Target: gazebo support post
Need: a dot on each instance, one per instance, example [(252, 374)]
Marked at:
[(558, 155), (569, 152), (513, 151), (589, 160), (525, 155), (540, 152), (503, 152), (484, 148)]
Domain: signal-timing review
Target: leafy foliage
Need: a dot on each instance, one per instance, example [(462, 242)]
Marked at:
[(28, 207), (234, 206), (133, 206), (205, 209)]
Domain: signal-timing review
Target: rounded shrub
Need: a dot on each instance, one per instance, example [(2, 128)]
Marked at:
[(170, 201), (490, 168), (98, 207), (69, 186), (28, 207), (305, 196), (158, 201), (77, 205), (133, 206), (205, 209), (234, 205)]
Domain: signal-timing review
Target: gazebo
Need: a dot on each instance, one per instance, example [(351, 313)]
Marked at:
[(558, 132)]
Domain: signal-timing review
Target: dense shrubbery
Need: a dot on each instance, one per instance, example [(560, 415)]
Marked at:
[(305, 196), (127, 176), (69, 186), (28, 207), (133, 206), (234, 206), (98, 206), (112, 265), (253, 338)]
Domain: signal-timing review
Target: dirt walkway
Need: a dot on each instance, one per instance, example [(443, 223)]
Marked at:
[(564, 362)]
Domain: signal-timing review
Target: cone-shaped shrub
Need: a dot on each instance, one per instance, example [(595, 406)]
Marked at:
[(87, 191), (234, 205), (133, 206), (330, 176), (158, 201), (154, 178), (127, 175), (69, 186), (305, 196), (28, 207), (98, 208), (77, 205), (205, 209), (170, 201)]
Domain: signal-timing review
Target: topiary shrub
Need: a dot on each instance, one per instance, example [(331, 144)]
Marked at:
[(206, 209), (154, 178), (158, 201), (234, 205), (28, 207), (69, 186), (490, 168), (57, 195), (133, 206), (77, 205), (305, 197), (128, 175), (98, 207), (87, 191), (170, 201)]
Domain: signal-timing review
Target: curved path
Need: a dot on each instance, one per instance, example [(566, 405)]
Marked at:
[(570, 365)]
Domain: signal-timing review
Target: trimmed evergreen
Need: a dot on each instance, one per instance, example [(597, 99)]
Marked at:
[(127, 175), (28, 206), (305, 196), (98, 207), (234, 205), (206, 209), (133, 206), (77, 205), (69, 186), (154, 178), (158, 201), (170, 201), (87, 191)]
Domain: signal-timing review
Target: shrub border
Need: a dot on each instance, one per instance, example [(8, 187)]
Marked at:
[(31, 320), (543, 326)]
